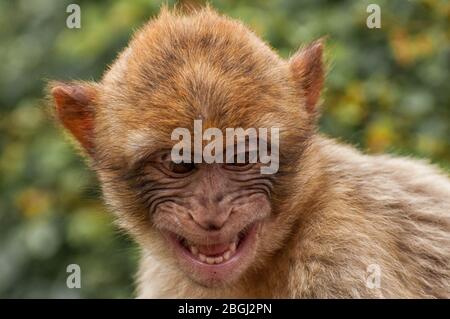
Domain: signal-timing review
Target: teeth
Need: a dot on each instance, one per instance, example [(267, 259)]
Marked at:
[(226, 255), (213, 260), (194, 250)]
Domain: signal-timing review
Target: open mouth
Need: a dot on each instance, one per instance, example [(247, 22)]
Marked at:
[(214, 261), (215, 253)]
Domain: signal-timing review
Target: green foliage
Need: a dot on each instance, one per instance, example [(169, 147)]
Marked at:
[(387, 90)]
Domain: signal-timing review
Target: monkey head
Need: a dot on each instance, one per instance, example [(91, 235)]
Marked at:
[(216, 222)]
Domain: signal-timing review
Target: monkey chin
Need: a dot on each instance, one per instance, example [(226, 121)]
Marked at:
[(218, 264)]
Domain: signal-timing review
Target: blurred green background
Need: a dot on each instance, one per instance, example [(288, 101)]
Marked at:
[(388, 90)]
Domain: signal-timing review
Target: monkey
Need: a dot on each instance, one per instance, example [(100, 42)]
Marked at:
[(313, 229)]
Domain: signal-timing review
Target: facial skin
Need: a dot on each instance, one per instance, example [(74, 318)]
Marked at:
[(215, 222), (210, 215)]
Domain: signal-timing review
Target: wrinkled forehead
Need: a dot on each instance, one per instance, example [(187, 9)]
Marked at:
[(156, 131)]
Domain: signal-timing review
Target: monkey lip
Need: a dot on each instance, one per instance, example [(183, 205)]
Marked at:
[(214, 262)]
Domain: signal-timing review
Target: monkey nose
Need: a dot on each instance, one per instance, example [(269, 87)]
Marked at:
[(210, 220), (213, 226), (210, 224)]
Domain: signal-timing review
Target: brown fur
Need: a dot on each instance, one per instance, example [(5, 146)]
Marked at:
[(335, 211)]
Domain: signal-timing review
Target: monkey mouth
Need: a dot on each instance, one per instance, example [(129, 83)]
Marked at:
[(215, 262), (214, 253)]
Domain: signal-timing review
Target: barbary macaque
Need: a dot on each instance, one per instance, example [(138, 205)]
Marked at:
[(316, 227)]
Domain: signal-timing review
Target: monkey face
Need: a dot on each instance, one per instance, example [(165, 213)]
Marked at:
[(216, 221), (210, 219), (210, 215)]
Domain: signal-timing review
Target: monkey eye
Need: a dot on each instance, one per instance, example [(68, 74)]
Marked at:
[(235, 165), (180, 168), (176, 168)]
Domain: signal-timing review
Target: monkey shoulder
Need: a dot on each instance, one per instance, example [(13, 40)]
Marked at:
[(388, 211), (387, 180)]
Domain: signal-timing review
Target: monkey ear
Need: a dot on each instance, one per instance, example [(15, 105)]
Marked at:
[(75, 109), (307, 68)]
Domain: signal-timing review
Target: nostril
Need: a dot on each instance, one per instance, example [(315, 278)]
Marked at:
[(210, 219), (212, 226), (218, 198), (208, 224)]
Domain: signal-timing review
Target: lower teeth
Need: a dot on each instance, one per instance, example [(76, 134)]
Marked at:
[(217, 259), (213, 259)]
